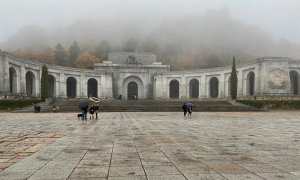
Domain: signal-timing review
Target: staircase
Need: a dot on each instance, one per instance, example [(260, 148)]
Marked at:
[(71, 105), (45, 106)]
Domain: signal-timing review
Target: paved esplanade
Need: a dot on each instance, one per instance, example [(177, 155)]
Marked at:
[(263, 145)]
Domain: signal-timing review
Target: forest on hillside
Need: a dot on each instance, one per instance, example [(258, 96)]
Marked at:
[(190, 42)]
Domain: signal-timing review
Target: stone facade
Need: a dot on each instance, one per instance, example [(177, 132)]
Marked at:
[(126, 75)]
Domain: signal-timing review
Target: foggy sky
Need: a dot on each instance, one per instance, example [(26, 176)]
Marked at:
[(278, 17)]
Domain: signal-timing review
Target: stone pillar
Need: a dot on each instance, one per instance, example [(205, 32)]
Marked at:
[(62, 85), (82, 86), (22, 79), (222, 86), (99, 85), (57, 88), (4, 72), (183, 88), (165, 88), (240, 82), (38, 84), (202, 88)]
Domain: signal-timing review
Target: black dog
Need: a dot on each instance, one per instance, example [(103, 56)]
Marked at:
[(79, 115)]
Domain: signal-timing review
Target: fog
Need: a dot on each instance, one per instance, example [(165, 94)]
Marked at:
[(247, 28)]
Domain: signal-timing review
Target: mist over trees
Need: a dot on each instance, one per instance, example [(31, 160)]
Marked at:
[(190, 42)]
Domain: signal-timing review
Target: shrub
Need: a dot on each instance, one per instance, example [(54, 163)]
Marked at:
[(8, 104), (272, 104)]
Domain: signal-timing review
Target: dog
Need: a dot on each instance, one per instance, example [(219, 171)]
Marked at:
[(79, 115)]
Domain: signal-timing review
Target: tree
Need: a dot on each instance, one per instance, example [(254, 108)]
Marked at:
[(86, 61), (60, 55), (74, 52), (44, 83), (102, 50), (233, 80), (45, 55)]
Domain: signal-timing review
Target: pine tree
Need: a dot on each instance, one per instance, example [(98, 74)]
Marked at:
[(60, 55), (74, 53), (44, 83), (233, 80)]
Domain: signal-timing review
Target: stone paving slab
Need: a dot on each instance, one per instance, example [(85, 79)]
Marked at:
[(143, 145)]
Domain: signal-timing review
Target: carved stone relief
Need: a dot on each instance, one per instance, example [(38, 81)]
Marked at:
[(277, 78)]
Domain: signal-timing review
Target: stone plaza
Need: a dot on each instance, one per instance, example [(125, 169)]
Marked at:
[(144, 145)]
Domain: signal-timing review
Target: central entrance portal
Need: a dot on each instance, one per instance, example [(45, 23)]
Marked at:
[(132, 90)]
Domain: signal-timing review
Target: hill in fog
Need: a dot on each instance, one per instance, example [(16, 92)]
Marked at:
[(195, 41)]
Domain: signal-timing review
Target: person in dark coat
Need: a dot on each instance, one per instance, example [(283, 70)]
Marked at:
[(189, 109), (96, 107), (84, 113), (184, 109), (92, 111)]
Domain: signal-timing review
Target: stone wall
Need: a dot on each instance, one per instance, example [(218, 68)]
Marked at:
[(267, 76)]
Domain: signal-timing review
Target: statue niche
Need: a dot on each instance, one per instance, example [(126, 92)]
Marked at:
[(131, 59)]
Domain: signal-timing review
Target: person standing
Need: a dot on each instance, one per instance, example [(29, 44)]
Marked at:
[(96, 107), (184, 109), (84, 113), (92, 111), (189, 109)]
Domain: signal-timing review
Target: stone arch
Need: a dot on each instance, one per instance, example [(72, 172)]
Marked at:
[(92, 87), (51, 86), (30, 84), (214, 87), (174, 89), (71, 87), (12, 80), (250, 83), (194, 88), (130, 80), (294, 79), (132, 89)]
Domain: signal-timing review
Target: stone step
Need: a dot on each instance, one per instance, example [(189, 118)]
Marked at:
[(71, 105)]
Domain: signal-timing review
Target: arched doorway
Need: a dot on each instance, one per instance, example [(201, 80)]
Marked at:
[(294, 78), (214, 87), (194, 88), (51, 86), (132, 90), (126, 87), (174, 89), (250, 83), (71, 87), (92, 90), (12, 80), (30, 84)]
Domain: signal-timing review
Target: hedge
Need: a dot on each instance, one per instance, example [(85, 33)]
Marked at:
[(9, 104), (272, 104)]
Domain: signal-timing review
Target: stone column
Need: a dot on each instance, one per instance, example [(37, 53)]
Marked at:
[(62, 85), (79, 86), (222, 86), (183, 88), (240, 83), (82, 86), (38, 84), (202, 87), (4, 72), (99, 85), (22, 79), (57, 88)]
